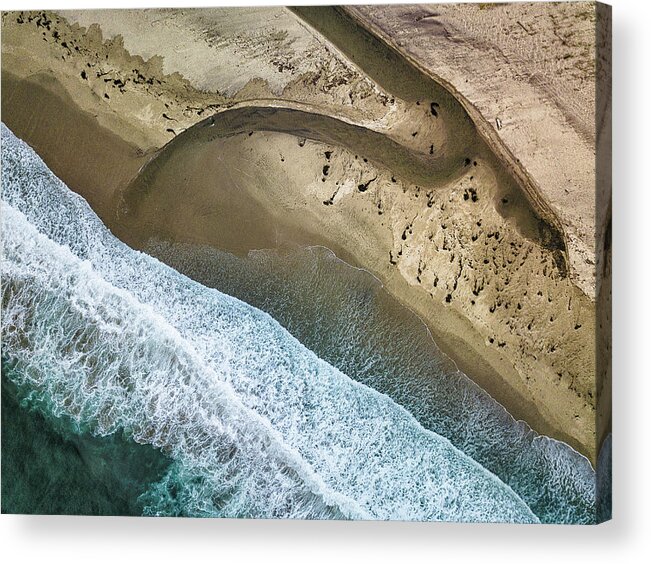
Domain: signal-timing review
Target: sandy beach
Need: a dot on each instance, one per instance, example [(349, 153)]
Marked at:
[(321, 149)]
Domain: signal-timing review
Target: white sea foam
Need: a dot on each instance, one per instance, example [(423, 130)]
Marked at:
[(257, 425), (338, 312)]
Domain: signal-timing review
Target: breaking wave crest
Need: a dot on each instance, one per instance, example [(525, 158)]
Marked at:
[(256, 424), (345, 317)]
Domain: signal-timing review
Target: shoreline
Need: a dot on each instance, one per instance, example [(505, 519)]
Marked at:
[(454, 332), (436, 344), (465, 356)]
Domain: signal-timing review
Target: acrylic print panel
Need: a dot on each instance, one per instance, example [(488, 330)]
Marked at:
[(313, 263)]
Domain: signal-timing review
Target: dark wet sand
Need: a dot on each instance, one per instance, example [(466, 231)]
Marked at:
[(93, 161)]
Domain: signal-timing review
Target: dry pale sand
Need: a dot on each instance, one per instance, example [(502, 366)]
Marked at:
[(454, 237), (528, 72)]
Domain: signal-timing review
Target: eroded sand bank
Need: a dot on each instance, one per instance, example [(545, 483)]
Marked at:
[(527, 73), (461, 245)]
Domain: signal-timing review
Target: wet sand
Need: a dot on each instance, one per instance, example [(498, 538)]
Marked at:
[(91, 159)]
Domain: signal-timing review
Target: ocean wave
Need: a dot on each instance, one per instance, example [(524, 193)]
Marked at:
[(256, 424), (345, 317)]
